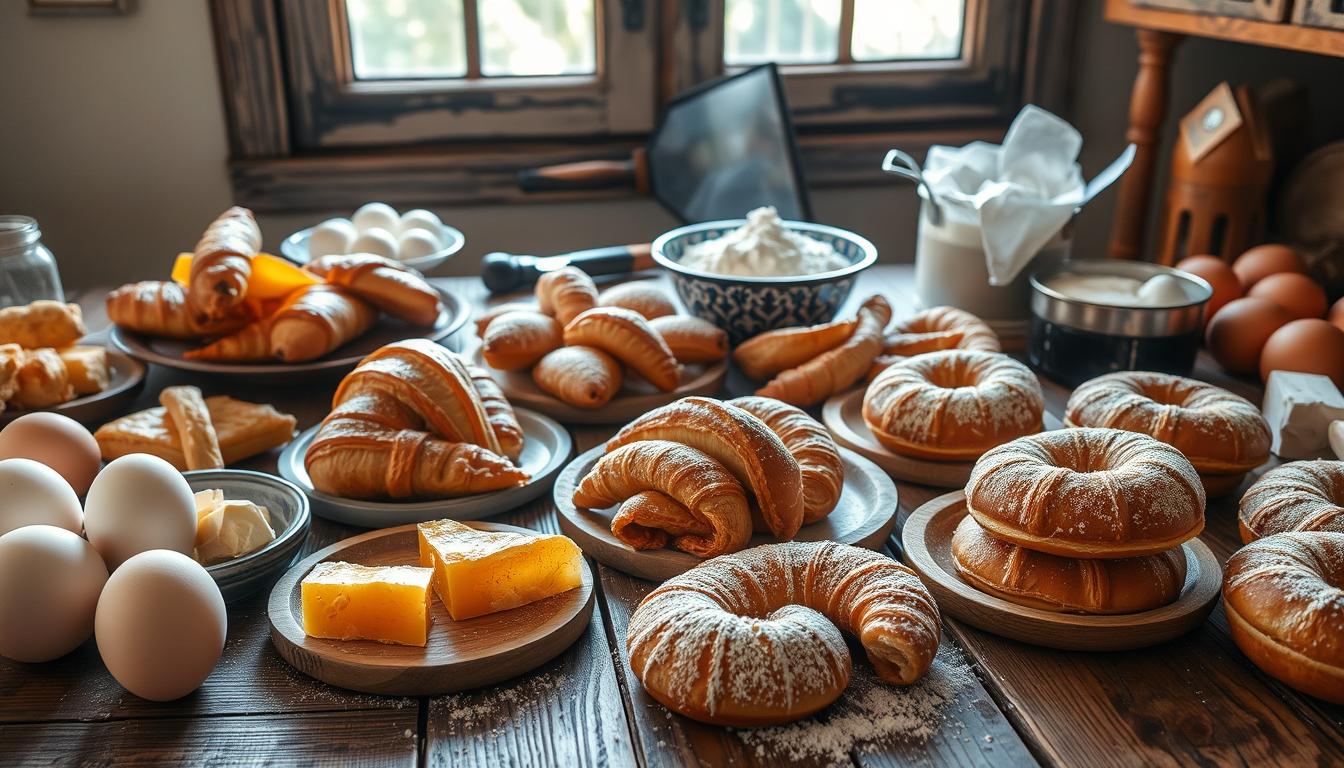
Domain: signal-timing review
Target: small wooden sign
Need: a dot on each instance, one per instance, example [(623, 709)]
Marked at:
[(1210, 122)]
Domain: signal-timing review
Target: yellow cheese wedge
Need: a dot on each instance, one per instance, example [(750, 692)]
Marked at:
[(389, 603), (182, 268), (273, 278), (480, 572)]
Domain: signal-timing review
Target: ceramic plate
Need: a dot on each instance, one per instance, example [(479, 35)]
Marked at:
[(168, 352), (295, 248), (546, 448), (290, 518)]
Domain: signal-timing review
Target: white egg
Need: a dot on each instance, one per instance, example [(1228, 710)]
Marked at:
[(137, 503), (376, 216), (332, 236), (419, 218), (417, 243), (35, 494), (379, 242), (160, 625), (50, 580)]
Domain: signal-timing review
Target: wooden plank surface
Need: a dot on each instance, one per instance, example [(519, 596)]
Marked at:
[(1195, 700)]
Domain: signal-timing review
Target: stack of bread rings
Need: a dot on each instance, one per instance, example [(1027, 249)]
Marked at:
[(1086, 520)]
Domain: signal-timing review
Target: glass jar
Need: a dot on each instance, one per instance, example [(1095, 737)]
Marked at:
[(27, 268)]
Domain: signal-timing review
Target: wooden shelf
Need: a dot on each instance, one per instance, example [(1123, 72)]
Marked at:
[(1325, 42)]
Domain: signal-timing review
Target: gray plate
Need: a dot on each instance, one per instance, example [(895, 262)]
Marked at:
[(253, 572), (126, 376), (546, 448), (168, 352), (295, 248)]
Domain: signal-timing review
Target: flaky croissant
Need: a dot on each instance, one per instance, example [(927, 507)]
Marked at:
[(812, 447), (221, 264), (647, 519), (566, 293), (766, 354), (837, 370), (499, 412), (159, 308), (628, 337), (388, 285)]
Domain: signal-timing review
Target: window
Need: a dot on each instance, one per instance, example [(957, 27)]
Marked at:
[(836, 31)]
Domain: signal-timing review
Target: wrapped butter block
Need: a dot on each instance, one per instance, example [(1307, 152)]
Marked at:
[(1299, 408)]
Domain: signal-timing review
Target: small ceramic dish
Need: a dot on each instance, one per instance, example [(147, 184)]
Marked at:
[(290, 517), (295, 248), (746, 306)]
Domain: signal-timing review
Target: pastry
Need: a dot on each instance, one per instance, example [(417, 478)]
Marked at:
[(766, 354), (584, 377), (900, 346), (317, 320), (221, 264), (627, 337), (818, 456), (750, 639), (490, 314), (519, 339), (388, 285), (43, 323), (1299, 496), (566, 293), (834, 371), (42, 380), (86, 368), (242, 429), (499, 412), (1065, 584), (740, 442), (644, 298), (250, 343), (714, 498), (974, 333), (1285, 609), (1087, 492), (190, 419), (647, 519), (692, 339), (1223, 435), (11, 358), (159, 308), (952, 405)]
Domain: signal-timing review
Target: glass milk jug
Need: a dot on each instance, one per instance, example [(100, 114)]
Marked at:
[(27, 268)]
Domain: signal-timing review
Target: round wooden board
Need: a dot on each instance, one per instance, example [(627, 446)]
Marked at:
[(927, 543), (636, 398), (460, 654), (546, 448), (168, 352), (125, 378), (863, 517), (843, 416)]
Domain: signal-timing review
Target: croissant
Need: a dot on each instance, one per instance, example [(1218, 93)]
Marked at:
[(159, 308), (566, 293), (221, 264), (628, 338), (742, 443), (646, 520), (583, 377), (766, 354), (644, 298), (703, 486), (519, 339), (837, 370), (818, 457), (388, 285), (490, 314), (316, 320), (499, 412), (692, 339), (250, 343)]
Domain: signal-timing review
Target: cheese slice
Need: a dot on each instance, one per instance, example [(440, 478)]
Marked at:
[(388, 603), (1299, 408), (479, 572)]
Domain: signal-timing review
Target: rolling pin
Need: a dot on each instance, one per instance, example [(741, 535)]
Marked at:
[(506, 272)]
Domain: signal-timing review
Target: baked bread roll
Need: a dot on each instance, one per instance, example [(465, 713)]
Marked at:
[(42, 323), (766, 354), (714, 498), (1065, 584), (221, 264), (497, 310), (566, 293), (1285, 609), (627, 337), (519, 339), (1096, 493), (388, 285), (646, 298), (692, 339), (584, 377), (1298, 496), (159, 308), (818, 457), (750, 639), (839, 369), (739, 441)]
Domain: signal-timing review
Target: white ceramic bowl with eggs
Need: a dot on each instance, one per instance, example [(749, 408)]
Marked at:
[(416, 238)]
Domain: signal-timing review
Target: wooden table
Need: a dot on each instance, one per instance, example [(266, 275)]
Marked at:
[(1194, 700)]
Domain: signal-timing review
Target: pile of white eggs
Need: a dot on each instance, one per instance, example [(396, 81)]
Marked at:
[(117, 567), (377, 228)]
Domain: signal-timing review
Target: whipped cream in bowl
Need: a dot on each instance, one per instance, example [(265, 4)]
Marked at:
[(763, 247)]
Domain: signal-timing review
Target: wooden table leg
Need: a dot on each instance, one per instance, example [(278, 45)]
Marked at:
[(1147, 110)]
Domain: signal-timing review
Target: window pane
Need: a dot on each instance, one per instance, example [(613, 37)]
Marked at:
[(783, 31), (537, 37), (907, 29), (406, 38)]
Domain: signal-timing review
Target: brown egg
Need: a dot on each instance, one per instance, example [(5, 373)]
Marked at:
[(1336, 315), (1297, 293), (1311, 345), (1265, 260), (1239, 331), (57, 441), (1218, 274)]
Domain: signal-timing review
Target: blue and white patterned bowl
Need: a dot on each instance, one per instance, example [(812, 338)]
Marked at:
[(746, 306)]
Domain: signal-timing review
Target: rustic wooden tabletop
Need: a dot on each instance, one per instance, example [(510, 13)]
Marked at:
[(1195, 700)]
